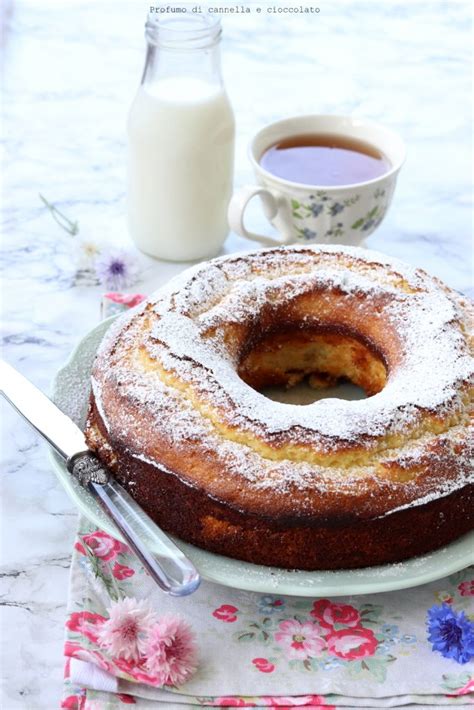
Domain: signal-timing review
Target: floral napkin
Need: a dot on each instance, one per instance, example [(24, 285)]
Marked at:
[(128, 643)]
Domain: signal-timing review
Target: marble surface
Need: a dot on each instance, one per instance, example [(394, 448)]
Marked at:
[(69, 79)]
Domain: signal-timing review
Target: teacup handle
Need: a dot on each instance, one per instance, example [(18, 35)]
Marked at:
[(238, 205)]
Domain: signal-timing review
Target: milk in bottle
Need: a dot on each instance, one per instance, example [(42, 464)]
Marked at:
[(180, 143)]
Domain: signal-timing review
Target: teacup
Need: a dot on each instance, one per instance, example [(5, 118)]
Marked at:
[(301, 213)]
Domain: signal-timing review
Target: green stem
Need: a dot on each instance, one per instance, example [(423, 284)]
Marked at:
[(107, 577), (64, 222)]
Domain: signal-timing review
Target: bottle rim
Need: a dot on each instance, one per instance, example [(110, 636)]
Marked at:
[(183, 31)]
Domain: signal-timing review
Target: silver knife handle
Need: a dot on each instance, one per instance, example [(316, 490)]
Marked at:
[(168, 566)]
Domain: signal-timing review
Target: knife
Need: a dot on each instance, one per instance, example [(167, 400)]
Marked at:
[(172, 571)]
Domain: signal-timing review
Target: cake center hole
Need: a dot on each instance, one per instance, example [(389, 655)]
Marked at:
[(302, 366), (304, 393)]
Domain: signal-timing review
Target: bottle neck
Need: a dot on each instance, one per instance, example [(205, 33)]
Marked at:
[(183, 47)]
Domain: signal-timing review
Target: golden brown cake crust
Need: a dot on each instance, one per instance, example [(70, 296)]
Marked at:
[(176, 412)]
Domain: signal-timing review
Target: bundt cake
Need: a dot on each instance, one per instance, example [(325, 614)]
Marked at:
[(177, 410)]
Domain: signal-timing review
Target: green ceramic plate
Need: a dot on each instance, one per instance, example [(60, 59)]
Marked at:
[(71, 392)]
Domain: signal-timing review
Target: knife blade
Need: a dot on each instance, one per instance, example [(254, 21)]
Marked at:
[(172, 571)]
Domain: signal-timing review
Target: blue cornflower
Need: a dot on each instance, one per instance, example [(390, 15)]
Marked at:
[(451, 633)]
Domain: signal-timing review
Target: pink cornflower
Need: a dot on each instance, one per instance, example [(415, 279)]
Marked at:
[(125, 631), (171, 651)]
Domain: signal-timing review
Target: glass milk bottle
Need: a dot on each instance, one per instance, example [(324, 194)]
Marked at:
[(180, 142)]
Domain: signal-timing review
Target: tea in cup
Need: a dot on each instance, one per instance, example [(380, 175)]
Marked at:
[(324, 179)]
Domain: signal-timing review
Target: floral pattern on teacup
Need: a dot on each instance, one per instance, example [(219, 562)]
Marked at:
[(314, 218)]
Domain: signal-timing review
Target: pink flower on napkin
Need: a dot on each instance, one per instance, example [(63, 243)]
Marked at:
[(86, 623), (122, 571), (73, 702), (75, 650), (226, 612), (127, 299), (352, 643), (124, 633), (300, 641), (445, 597), (171, 651), (135, 670), (102, 545), (315, 702), (127, 699), (466, 589), (467, 689), (329, 614), (263, 665), (231, 702)]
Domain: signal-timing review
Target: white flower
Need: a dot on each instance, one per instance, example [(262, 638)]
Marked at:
[(116, 269)]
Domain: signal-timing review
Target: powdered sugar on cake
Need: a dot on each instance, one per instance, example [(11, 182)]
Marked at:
[(187, 339), (426, 320)]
